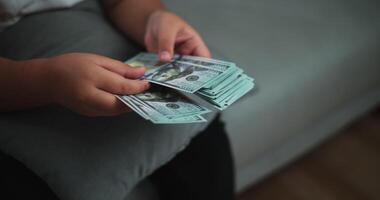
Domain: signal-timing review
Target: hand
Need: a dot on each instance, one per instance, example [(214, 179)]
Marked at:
[(166, 33), (86, 83)]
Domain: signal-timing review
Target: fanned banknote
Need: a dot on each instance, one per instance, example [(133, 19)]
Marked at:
[(160, 105), (220, 83)]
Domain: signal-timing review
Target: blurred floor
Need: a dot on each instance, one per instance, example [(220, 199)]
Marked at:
[(345, 167)]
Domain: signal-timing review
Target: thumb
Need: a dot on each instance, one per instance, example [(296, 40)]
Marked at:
[(166, 42)]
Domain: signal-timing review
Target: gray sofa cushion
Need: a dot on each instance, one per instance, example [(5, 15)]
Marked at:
[(312, 60)]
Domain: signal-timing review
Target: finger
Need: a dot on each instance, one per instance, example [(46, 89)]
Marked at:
[(201, 49), (120, 68), (133, 72), (105, 104), (116, 84), (166, 40), (187, 47), (128, 71), (149, 43)]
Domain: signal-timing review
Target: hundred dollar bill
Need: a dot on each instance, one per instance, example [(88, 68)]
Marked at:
[(224, 84), (151, 60), (220, 83), (187, 119), (157, 118), (227, 89), (232, 95), (135, 106), (182, 76), (181, 66), (223, 66), (169, 103), (163, 105), (205, 62), (148, 60)]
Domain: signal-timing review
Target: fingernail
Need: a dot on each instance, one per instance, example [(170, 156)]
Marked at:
[(165, 56)]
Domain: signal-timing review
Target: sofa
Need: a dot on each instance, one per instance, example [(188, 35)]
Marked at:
[(316, 65)]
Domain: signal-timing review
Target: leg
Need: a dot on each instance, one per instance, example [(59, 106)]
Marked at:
[(18, 182), (79, 157), (204, 170)]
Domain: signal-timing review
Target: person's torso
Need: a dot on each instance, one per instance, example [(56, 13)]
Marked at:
[(12, 10)]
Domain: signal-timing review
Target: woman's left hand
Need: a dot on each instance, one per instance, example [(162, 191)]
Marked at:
[(166, 34)]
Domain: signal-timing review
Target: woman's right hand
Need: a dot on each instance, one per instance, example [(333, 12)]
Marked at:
[(86, 83)]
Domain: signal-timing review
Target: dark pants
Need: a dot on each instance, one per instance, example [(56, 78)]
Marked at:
[(203, 170)]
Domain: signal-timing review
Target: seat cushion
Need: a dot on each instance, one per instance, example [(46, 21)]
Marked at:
[(309, 58)]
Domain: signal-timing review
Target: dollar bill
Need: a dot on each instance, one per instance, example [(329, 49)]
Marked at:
[(135, 106), (182, 76), (225, 84), (228, 98), (148, 60), (220, 83), (235, 84), (187, 119), (186, 73), (160, 104), (169, 103)]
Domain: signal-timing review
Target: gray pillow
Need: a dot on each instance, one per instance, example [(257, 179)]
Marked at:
[(79, 157), (91, 158)]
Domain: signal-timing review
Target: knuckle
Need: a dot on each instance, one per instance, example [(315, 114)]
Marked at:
[(124, 88), (133, 89), (139, 87)]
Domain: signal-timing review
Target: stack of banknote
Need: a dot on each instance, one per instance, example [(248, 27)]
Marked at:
[(219, 83)]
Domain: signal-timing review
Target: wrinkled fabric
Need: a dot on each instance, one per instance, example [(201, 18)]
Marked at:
[(12, 10)]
